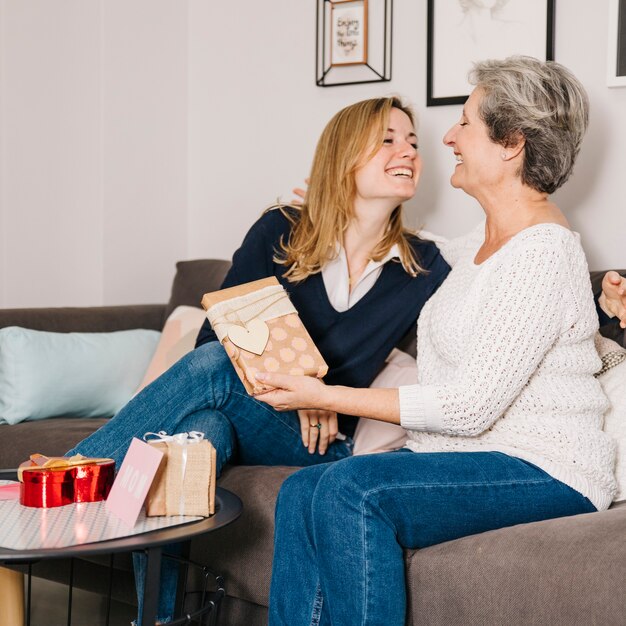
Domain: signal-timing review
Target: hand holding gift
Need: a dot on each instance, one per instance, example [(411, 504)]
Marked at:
[(261, 332), (289, 393)]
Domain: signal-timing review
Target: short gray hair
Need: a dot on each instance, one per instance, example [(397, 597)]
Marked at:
[(544, 103)]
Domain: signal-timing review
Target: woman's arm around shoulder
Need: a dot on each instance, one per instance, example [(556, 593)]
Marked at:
[(613, 297)]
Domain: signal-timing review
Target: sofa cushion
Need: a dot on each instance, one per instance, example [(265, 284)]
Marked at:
[(242, 552), (373, 436), (178, 337), (612, 377), (46, 374), (562, 572), (193, 279)]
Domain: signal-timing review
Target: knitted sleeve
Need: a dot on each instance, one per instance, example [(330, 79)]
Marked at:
[(524, 303)]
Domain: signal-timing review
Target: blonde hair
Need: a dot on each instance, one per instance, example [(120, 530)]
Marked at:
[(351, 138)]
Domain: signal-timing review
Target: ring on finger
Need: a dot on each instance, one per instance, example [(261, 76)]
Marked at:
[(318, 426)]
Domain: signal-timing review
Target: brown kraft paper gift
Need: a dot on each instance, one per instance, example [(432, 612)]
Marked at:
[(261, 331), (185, 481)]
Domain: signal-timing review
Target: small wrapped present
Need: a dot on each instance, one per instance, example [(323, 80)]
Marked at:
[(261, 331), (55, 481), (185, 481)]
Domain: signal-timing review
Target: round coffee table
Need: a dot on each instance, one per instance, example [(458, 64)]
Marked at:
[(228, 508)]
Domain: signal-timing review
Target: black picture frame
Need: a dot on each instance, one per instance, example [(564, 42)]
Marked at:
[(498, 45), (616, 59), (375, 65)]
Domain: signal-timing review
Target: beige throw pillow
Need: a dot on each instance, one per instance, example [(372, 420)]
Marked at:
[(177, 339), (374, 436)]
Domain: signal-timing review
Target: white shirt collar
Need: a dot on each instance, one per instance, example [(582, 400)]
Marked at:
[(337, 279)]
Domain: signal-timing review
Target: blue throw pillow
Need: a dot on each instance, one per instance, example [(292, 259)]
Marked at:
[(46, 374)]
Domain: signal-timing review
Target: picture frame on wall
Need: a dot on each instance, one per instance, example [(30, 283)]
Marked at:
[(354, 42), (461, 32), (348, 32), (616, 58)]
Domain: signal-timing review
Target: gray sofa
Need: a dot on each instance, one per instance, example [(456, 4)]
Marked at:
[(566, 571)]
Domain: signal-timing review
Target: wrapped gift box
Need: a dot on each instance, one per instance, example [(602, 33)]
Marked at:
[(262, 332), (55, 481), (185, 481)]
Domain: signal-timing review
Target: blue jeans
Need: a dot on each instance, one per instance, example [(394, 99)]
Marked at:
[(341, 528), (203, 392)]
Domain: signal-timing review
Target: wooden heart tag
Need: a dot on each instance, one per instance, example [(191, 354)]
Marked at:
[(253, 336)]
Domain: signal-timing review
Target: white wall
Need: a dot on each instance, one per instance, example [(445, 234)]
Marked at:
[(93, 149), (137, 132), (266, 115)]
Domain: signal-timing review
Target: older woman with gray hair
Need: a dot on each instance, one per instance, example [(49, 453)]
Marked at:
[(505, 423)]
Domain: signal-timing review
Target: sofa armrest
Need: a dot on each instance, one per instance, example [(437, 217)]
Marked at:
[(86, 319)]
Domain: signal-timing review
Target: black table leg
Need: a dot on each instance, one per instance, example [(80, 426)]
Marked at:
[(151, 588)]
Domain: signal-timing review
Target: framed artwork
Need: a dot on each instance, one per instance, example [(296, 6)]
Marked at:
[(616, 60), (461, 32), (353, 42), (348, 40)]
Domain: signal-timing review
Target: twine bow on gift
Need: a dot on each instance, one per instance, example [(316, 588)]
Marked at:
[(243, 319), (181, 439)]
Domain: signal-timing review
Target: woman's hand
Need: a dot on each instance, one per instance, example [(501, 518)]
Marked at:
[(291, 393), (295, 392), (300, 193), (319, 428), (613, 298), (305, 392)]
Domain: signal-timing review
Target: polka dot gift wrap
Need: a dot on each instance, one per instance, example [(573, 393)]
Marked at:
[(261, 332)]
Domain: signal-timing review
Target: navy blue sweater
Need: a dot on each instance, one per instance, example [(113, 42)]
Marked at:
[(356, 342)]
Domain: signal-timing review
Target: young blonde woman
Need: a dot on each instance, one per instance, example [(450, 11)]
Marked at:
[(356, 276)]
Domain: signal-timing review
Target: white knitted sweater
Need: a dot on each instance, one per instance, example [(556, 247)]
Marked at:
[(506, 357)]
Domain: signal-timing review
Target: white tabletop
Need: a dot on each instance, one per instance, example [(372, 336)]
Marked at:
[(29, 528)]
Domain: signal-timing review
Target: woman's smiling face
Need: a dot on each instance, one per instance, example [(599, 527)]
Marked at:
[(393, 172), (479, 160)]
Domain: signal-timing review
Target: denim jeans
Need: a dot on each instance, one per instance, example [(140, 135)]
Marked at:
[(341, 528), (202, 392)]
